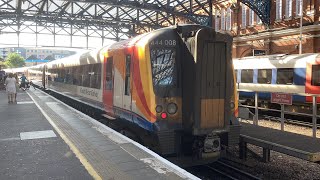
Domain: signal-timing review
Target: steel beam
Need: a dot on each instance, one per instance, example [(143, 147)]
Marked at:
[(107, 17), (261, 8)]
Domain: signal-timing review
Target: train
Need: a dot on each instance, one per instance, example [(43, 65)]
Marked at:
[(296, 74), (172, 89)]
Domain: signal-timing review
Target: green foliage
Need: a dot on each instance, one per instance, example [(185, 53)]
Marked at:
[(14, 60)]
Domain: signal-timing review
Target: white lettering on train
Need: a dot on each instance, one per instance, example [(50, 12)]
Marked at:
[(89, 92)]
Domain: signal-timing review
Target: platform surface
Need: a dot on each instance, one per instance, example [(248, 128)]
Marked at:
[(296, 141), (40, 157), (297, 145), (42, 138)]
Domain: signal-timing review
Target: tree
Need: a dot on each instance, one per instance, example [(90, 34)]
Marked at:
[(14, 60)]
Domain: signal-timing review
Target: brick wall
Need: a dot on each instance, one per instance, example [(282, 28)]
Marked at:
[(282, 36)]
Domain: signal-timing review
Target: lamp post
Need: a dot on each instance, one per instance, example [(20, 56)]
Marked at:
[(301, 18)]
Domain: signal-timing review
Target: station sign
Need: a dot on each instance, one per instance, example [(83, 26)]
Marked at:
[(281, 98), (257, 52)]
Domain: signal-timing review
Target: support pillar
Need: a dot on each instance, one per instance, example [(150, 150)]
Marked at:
[(282, 117), (255, 122), (242, 149), (314, 116), (266, 155)]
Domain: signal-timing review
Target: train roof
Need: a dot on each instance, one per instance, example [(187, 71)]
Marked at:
[(15, 70), (96, 56), (275, 61)]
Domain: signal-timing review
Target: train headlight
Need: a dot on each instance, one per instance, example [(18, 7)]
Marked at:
[(159, 109), (172, 108), (232, 105)]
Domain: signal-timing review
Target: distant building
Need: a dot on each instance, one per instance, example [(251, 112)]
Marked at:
[(251, 37), (33, 62), (36, 53), (43, 53), (3, 53)]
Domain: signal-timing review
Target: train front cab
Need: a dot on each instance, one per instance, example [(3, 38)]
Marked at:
[(181, 86), (205, 123)]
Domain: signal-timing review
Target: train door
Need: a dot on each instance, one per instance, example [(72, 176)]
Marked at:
[(213, 71), (127, 100), (108, 85), (118, 69)]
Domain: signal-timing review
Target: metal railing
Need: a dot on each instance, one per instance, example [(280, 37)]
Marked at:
[(282, 111)]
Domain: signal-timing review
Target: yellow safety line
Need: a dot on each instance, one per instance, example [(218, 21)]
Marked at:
[(75, 150)]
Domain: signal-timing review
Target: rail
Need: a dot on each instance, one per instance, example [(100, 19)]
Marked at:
[(228, 171), (282, 111)]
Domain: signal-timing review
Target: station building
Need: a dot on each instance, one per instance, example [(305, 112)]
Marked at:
[(252, 37)]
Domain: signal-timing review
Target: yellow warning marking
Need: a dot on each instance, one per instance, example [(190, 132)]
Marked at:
[(75, 150)]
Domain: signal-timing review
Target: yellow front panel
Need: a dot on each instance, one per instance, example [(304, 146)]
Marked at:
[(212, 113)]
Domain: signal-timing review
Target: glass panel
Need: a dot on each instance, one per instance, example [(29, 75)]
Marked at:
[(315, 79), (163, 67), (236, 74), (264, 76), (285, 76), (109, 74), (246, 75), (127, 80)]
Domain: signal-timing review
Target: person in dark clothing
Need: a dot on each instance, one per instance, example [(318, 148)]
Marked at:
[(23, 82)]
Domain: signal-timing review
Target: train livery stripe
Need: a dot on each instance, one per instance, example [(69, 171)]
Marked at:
[(137, 79)]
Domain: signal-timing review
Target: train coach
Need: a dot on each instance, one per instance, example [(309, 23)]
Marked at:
[(172, 89), (293, 74)]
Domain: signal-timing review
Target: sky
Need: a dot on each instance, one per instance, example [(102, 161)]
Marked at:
[(29, 40)]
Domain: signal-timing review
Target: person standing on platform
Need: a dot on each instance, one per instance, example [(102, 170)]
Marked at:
[(17, 85), (23, 82), (11, 88)]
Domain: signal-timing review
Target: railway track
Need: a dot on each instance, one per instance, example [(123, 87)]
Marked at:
[(291, 121), (222, 169)]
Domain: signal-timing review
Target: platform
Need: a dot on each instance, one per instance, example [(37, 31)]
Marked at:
[(42, 138), (292, 144)]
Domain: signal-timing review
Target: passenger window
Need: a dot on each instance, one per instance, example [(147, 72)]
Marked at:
[(109, 74), (127, 80), (246, 76), (97, 74), (236, 74), (86, 75), (285, 76), (264, 76), (315, 78)]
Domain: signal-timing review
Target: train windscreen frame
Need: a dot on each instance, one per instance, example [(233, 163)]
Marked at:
[(163, 64)]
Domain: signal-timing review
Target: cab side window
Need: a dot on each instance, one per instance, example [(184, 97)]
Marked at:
[(315, 78), (127, 80), (109, 74), (236, 74)]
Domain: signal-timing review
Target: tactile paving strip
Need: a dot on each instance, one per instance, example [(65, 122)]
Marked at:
[(105, 168)]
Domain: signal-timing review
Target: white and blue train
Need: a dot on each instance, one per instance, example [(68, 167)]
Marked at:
[(295, 74)]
